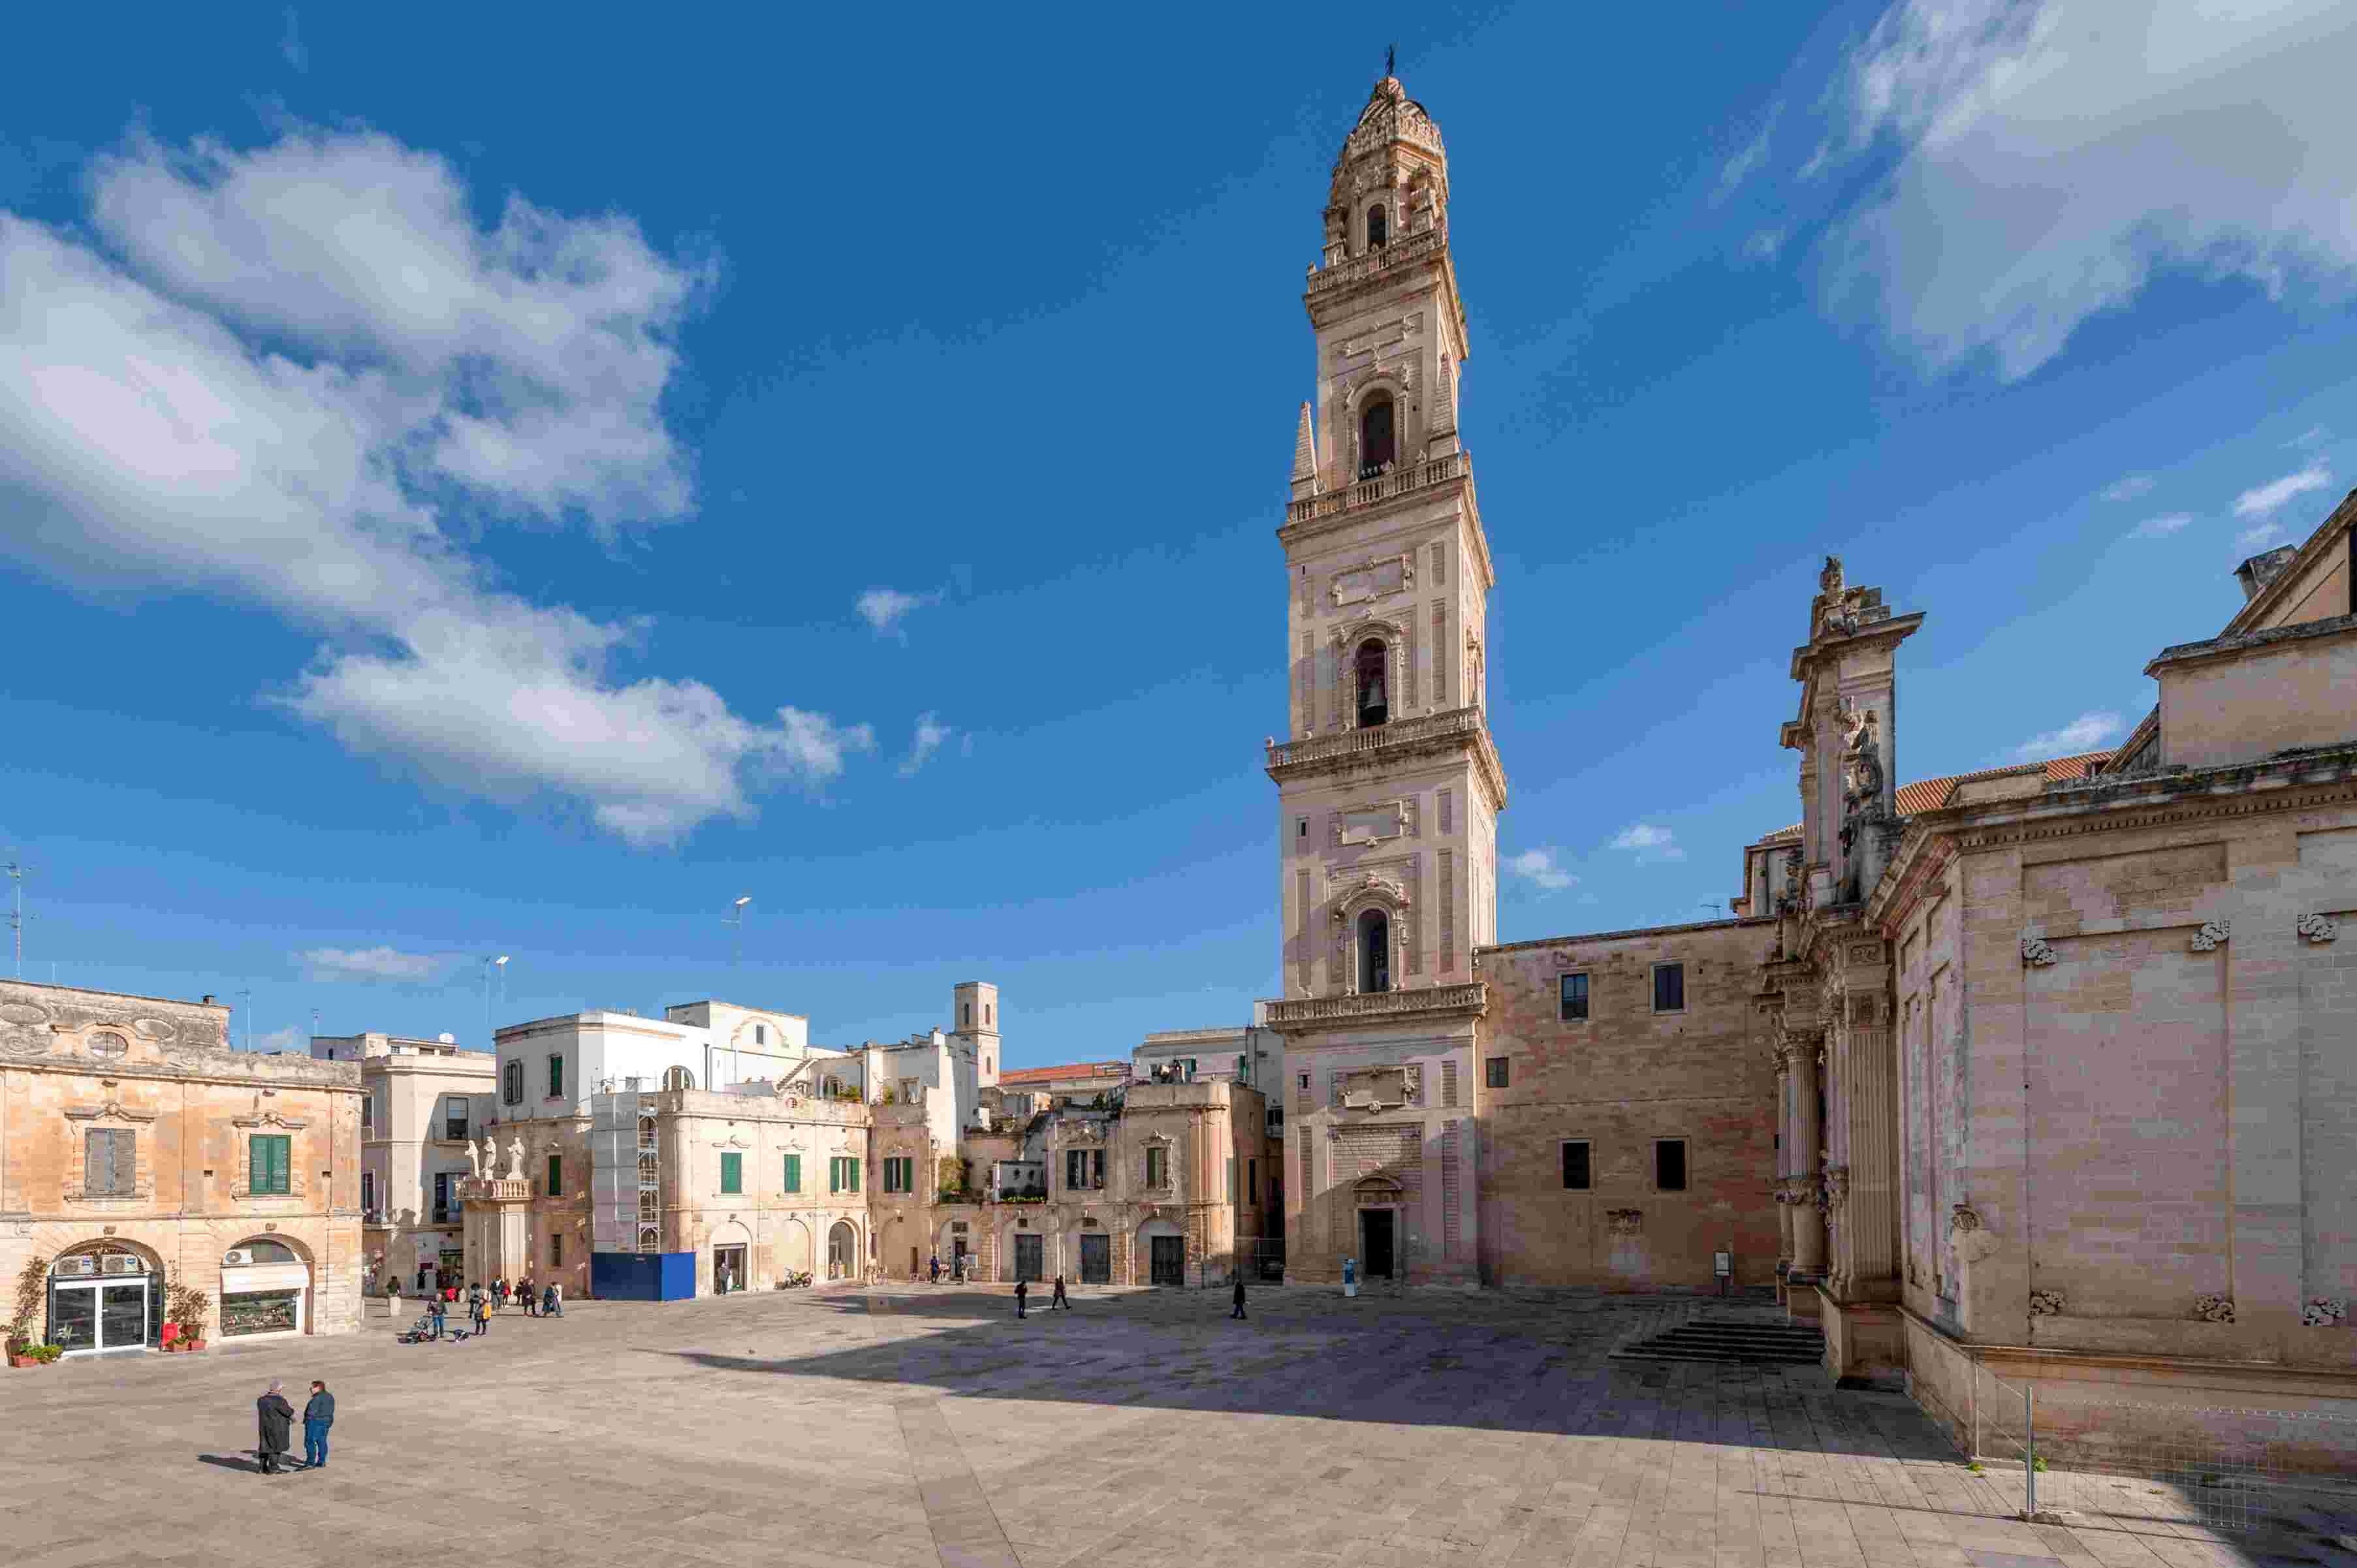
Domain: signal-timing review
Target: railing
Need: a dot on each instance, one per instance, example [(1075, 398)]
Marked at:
[(1402, 479), (1469, 997), (1375, 264), (1400, 732)]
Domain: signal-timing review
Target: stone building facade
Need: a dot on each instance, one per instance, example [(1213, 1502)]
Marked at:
[(422, 1102), (137, 1149)]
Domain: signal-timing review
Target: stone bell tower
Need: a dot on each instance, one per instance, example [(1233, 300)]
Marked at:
[(1389, 785)]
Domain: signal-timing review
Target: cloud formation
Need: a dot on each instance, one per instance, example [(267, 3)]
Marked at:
[(300, 377), (884, 608), (1541, 868), (2088, 731), (2051, 158), (2128, 488), (373, 963), (2263, 501), (930, 735), (2163, 526), (1648, 843)]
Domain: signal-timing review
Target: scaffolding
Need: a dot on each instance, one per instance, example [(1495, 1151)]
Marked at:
[(625, 1171)]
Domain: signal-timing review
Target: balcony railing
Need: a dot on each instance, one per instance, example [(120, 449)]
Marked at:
[(1375, 262), (1378, 737), (1402, 479), (1298, 1012)]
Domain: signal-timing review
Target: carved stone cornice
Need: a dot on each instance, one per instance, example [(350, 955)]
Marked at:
[(1456, 731), (1309, 1014), (113, 1111)]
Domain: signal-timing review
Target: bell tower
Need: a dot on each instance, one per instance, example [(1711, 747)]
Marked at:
[(1388, 784)]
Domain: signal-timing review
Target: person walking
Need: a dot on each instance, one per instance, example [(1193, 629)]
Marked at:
[(531, 1302), (1058, 1299), (318, 1414), (482, 1310), (277, 1419), (440, 1309), (935, 1268), (552, 1301), (1238, 1310), (1022, 1293)]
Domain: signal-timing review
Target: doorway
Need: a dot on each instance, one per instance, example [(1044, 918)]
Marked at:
[(842, 1253), (1167, 1259), (727, 1269), (100, 1301), (1375, 1250), (1096, 1258), (1028, 1255)]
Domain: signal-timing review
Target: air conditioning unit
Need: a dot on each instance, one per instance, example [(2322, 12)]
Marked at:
[(237, 1256), (121, 1263), (70, 1267)]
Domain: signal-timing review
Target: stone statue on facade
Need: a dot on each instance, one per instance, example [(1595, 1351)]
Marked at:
[(515, 1158), (475, 1156)]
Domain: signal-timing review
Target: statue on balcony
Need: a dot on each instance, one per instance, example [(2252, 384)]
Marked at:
[(475, 1156), (515, 1158)]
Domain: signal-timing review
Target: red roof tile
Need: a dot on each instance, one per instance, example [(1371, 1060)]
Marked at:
[(1930, 794), (1059, 1074)]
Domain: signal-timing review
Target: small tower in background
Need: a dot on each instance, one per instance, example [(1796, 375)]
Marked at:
[(975, 1025)]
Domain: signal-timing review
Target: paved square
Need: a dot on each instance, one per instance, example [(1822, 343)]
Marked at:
[(915, 1427)]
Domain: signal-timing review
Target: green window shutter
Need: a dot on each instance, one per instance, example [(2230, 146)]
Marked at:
[(793, 1173), (555, 1077), (556, 1176), (855, 1173), (732, 1173), (268, 1156), (834, 1175)]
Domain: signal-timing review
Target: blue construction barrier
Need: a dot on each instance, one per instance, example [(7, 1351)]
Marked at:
[(642, 1276)]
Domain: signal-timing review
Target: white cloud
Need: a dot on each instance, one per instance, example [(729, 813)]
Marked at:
[(1648, 843), (373, 963), (884, 608), (2267, 536), (1542, 868), (300, 377), (2052, 157), (2161, 527), (1749, 158), (930, 735), (285, 1039), (1765, 244), (2128, 488), (2262, 500), (2088, 731)]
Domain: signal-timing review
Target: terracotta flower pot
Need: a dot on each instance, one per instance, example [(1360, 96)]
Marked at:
[(16, 1360)]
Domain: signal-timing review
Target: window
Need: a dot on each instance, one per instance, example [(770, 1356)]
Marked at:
[(1368, 664), (368, 1112), (512, 1082), (1084, 1169), (556, 1176), (368, 1192), (1669, 988), (1374, 951), (1379, 224), (556, 1078), (110, 1162), (760, 1034), (843, 1173), (1376, 447), (965, 1014), (678, 1078), (1577, 1175), (900, 1173), (1575, 998), (444, 1208), (1494, 1072), (793, 1173), (1304, 1081), (270, 1170), (732, 1173), (1231, 1178), (1670, 1165), (985, 1015), (1251, 1181), (1301, 827), (556, 1251), (985, 1064), (1157, 1167)]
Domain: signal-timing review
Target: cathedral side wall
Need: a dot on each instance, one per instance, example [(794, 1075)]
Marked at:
[(1620, 1081)]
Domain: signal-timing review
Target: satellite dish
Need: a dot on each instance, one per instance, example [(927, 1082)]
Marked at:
[(447, 1037)]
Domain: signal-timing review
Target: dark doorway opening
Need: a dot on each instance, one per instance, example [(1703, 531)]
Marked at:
[(1097, 1260), (1167, 1259), (1028, 1254), (1375, 1242)]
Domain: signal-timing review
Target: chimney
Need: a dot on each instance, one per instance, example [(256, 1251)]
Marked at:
[(2264, 568), (207, 1000)]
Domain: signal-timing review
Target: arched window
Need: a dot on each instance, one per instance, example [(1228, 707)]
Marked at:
[(1377, 447), (1374, 706), (1374, 951), (678, 1078), (1379, 225)]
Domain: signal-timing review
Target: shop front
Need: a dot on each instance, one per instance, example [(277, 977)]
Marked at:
[(266, 1290), (104, 1298)]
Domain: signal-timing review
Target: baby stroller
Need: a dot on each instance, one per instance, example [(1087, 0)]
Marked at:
[(418, 1332)]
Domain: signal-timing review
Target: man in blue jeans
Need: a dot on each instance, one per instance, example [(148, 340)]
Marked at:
[(317, 1416)]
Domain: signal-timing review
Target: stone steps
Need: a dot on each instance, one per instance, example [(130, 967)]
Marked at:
[(1733, 1342)]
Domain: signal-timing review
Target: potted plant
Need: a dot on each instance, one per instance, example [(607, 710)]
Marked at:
[(32, 1302), (189, 1307)]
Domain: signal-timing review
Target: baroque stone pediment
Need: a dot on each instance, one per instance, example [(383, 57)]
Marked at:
[(113, 1111), (1383, 1087)]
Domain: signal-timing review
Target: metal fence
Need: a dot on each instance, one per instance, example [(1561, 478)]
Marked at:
[(2163, 1468)]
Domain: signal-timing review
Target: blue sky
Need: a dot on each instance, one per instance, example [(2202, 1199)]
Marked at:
[(474, 482)]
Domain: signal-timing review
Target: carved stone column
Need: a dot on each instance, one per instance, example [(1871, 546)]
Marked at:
[(1868, 1261), (1784, 1171), (1804, 1146)]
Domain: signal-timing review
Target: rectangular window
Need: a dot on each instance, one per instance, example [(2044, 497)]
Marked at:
[(368, 1192), (556, 1078), (266, 1154), (1670, 1165), (1304, 1081), (1251, 1181), (556, 1252), (843, 1173), (732, 1173), (760, 1034), (512, 1082), (900, 1173), (1231, 1178), (1575, 998), (110, 1163), (556, 1176), (1493, 1070), (1096, 1167), (1669, 988), (1577, 1176), (1157, 1166), (793, 1173), (454, 1120), (368, 1112)]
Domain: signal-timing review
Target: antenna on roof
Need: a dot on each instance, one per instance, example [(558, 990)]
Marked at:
[(17, 916)]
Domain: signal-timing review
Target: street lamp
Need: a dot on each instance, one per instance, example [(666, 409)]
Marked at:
[(735, 918), (492, 966)]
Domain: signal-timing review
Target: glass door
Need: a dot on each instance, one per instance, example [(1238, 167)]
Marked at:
[(73, 1317), (123, 1316), (99, 1316)]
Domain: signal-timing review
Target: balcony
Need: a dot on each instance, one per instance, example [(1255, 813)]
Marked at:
[(1305, 1014), (1383, 743), (1422, 245), (1402, 479)]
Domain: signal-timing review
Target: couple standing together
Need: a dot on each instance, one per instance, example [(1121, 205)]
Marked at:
[(277, 1420)]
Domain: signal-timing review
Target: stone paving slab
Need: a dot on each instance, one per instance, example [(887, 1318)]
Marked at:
[(919, 1427)]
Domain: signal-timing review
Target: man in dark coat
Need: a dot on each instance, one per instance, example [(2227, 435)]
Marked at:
[(318, 1414), (1058, 1300), (1022, 1292), (277, 1418), (1238, 1310)]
